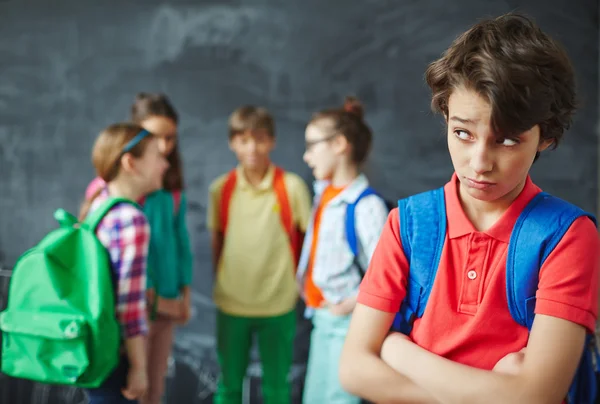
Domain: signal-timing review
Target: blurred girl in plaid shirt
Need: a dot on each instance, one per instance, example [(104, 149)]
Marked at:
[(129, 161), (169, 256)]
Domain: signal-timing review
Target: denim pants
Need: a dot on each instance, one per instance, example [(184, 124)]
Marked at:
[(110, 391), (322, 384)]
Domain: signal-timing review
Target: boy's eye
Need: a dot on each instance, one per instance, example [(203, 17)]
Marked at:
[(508, 142), (461, 134)]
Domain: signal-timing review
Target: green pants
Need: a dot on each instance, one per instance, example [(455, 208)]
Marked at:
[(275, 343)]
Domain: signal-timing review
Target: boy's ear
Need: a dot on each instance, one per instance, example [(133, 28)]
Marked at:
[(544, 144)]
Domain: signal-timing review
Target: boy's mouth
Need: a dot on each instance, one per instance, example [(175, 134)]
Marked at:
[(481, 185)]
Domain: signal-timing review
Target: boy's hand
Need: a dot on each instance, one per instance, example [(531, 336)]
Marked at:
[(343, 308), (137, 384), (511, 363)]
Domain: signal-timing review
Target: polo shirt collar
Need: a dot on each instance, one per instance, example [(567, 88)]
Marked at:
[(265, 184), (459, 224)]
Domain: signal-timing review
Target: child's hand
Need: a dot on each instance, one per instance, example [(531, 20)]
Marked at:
[(511, 363), (137, 384), (343, 308), (186, 306), (150, 299)]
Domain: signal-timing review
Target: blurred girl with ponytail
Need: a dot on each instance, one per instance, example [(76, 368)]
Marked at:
[(338, 142)]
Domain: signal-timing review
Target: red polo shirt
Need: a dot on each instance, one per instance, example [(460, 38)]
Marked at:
[(467, 318)]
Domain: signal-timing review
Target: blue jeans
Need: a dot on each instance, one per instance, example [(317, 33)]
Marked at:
[(108, 397), (322, 384), (110, 391)]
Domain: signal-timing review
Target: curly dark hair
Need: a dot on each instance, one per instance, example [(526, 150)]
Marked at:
[(524, 74)]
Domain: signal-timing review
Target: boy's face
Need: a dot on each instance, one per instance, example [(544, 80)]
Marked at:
[(252, 148), (490, 168)]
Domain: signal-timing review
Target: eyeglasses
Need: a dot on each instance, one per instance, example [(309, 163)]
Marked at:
[(311, 143)]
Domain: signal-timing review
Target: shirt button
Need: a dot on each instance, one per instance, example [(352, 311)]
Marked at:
[(472, 275)]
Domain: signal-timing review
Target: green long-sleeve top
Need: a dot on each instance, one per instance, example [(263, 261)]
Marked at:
[(169, 255)]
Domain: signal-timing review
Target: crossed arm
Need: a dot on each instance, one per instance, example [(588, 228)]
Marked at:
[(410, 374)]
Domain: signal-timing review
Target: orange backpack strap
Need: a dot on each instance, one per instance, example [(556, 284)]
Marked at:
[(285, 211), (226, 194)]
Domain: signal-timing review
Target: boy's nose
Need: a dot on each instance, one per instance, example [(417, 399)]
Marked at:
[(481, 160)]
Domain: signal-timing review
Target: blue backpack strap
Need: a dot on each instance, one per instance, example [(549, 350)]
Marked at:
[(351, 226), (538, 230), (423, 233), (536, 233)]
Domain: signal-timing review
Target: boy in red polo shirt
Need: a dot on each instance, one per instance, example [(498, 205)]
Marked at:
[(507, 93)]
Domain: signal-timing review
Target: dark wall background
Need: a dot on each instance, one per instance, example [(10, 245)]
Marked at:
[(69, 68)]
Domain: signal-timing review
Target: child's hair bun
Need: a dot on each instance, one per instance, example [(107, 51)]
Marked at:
[(141, 96), (353, 106)]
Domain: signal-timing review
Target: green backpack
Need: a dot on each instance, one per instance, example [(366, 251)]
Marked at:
[(60, 325)]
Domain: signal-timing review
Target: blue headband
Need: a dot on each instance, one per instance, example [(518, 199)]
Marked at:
[(133, 142)]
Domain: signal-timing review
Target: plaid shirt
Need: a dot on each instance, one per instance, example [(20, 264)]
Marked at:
[(125, 233)]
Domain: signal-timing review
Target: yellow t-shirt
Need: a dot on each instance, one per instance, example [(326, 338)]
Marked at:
[(256, 272)]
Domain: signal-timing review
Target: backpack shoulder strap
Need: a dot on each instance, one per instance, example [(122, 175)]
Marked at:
[(423, 233), (285, 212), (226, 194), (93, 219), (536, 233), (350, 224), (285, 209)]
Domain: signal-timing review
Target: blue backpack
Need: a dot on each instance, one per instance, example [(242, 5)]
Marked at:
[(350, 225), (538, 230)]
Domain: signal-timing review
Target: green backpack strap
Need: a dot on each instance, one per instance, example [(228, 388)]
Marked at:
[(93, 219)]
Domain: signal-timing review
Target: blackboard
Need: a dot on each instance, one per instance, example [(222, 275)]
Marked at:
[(69, 68)]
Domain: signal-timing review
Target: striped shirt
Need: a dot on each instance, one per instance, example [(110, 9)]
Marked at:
[(125, 233)]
